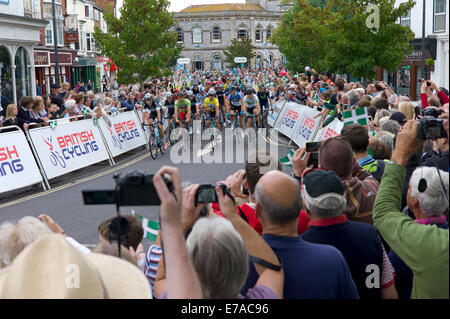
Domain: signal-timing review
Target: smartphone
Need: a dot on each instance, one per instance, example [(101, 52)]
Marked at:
[(428, 83), (99, 197), (313, 148)]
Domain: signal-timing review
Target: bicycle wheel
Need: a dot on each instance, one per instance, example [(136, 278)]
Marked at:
[(153, 147), (172, 133), (161, 148)]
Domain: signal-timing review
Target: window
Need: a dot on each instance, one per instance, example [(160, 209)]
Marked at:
[(89, 42), (439, 15), (96, 13), (180, 35), (216, 34), (86, 11), (197, 35), (59, 32), (269, 32), (242, 34), (258, 37), (49, 33), (406, 19)]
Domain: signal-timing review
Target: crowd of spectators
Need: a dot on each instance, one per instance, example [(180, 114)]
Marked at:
[(369, 223)]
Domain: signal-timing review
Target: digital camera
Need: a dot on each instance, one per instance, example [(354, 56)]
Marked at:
[(431, 128), (132, 189)]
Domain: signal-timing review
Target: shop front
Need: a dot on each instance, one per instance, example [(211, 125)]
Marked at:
[(45, 67), (406, 79), (85, 69), (16, 56)]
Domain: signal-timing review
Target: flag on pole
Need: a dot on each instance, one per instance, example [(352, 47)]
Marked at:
[(86, 111), (357, 116), (287, 159), (150, 227), (53, 124)]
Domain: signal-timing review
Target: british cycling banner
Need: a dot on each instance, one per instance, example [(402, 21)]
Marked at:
[(68, 147), (306, 126), (17, 165), (287, 120), (125, 133), (331, 130)]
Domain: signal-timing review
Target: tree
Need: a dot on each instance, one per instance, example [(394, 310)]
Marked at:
[(304, 35), (141, 42), (340, 36), (239, 48)]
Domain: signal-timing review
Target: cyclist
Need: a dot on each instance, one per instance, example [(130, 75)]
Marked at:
[(201, 97), (211, 105), (169, 104), (234, 105), (194, 105), (182, 109), (264, 99), (221, 97), (251, 106), (151, 112)]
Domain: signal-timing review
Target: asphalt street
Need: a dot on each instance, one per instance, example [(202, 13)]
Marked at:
[(64, 201)]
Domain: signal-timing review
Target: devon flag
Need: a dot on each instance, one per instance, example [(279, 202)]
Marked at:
[(53, 124), (357, 116), (287, 159), (150, 227)]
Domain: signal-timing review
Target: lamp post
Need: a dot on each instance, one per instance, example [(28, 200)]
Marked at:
[(422, 64), (55, 39)]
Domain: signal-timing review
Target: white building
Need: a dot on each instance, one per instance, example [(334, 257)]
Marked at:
[(18, 34), (205, 31), (436, 46)]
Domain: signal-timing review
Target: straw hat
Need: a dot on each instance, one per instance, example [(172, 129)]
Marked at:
[(51, 268)]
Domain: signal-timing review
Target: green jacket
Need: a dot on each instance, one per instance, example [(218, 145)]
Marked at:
[(424, 248)]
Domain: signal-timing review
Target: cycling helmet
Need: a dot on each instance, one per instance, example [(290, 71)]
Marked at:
[(148, 96), (180, 94), (169, 95), (248, 91), (190, 93), (211, 91)]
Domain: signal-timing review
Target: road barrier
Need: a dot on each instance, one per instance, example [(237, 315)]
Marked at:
[(17, 165), (69, 146)]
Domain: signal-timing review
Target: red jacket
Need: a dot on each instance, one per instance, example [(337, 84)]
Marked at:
[(441, 95), (249, 212)]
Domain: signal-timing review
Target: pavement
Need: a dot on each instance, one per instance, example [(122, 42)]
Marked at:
[(64, 201)]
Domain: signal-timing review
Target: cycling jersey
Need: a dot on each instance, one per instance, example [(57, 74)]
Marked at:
[(211, 103), (221, 97), (235, 100), (263, 97), (152, 110), (251, 102), (182, 106), (201, 98), (170, 107)]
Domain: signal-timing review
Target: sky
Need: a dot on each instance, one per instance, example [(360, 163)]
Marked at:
[(178, 5)]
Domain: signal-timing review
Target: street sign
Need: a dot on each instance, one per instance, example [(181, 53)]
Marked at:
[(240, 60), (183, 61)]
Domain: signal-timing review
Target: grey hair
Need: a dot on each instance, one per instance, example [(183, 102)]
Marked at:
[(335, 207), (380, 114), (14, 238), (278, 214), (386, 137), (391, 126), (219, 256), (432, 201), (352, 95)]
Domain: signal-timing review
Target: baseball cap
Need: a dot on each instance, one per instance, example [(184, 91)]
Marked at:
[(55, 86), (319, 185), (399, 117)]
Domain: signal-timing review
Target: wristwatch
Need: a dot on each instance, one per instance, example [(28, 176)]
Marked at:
[(299, 178)]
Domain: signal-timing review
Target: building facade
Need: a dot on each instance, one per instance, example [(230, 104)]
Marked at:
[(406, 78), (18, 35), (205, 31)]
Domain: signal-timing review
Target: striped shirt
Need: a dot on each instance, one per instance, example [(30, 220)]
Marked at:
[(152, 259)]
